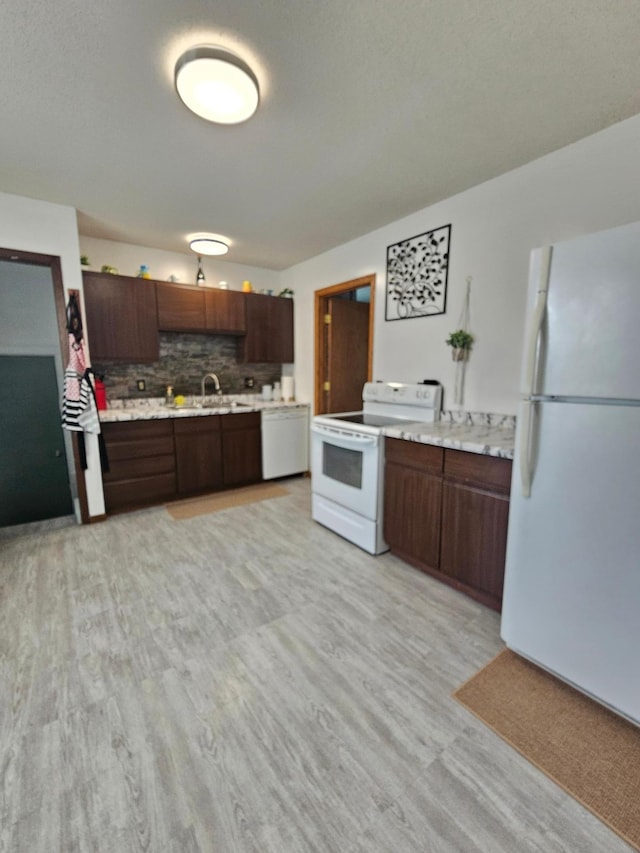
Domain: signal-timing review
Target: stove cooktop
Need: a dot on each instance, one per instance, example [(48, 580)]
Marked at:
[(365, 419)]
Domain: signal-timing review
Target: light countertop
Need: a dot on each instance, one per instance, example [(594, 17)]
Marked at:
[(155, 409), (489, 439), (490, 435)]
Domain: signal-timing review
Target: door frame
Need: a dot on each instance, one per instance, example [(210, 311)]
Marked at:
[(55, 267), (321, 307)]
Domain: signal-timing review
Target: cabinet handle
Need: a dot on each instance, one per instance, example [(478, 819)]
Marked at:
[(526, 414), (536, 322)]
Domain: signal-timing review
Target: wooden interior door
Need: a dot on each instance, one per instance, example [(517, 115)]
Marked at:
[(347, 353), (343, 346)]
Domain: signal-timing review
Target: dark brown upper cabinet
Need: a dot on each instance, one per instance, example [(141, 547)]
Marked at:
[(180, 308), (121, 317), (183, 308), (124, 315), (269, 336), (225, 311)]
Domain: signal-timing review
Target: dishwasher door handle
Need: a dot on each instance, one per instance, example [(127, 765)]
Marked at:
[(282, 416), (282, 412)]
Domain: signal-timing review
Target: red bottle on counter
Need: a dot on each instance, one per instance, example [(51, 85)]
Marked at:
[(101, 395)]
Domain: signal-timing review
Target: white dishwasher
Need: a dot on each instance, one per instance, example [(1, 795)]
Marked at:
[(285, 441)]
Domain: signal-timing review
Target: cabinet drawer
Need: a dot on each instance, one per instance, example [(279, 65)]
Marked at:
[(246, 420), (201, 423), (491, 472), (137, 439), (146, 490), (424, 457), (134, 430), (140, 448), (129, 469)]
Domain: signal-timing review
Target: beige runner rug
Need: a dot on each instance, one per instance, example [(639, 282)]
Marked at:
[(589, 751), (191, 507)]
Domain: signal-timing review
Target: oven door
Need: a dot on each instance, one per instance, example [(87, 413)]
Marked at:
[(345, 468)]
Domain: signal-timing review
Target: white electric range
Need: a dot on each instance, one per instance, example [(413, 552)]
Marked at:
[(347, 458)]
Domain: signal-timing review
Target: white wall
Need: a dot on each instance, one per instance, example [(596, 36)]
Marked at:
[(128, 258), (51, 229), (588, 186)]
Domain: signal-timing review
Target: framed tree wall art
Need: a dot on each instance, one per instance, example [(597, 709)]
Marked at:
[(417, 273)]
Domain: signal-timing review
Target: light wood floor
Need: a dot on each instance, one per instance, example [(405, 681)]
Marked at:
[(248, 681)]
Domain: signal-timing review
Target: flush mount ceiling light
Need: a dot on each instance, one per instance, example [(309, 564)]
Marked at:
[(217, 85), (208, 246)]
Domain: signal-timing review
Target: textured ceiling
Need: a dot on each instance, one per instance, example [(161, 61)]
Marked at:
[(370, 110)]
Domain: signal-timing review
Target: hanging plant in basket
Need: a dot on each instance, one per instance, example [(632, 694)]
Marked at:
[(461, 342)]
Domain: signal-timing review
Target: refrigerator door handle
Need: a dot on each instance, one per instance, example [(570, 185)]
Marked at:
[(535, 325), (526, 415)]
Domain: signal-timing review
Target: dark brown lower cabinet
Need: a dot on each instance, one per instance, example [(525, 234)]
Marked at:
[(412, 500), (474, 540), (241, 449), (198, 444), (446, 512), (475, 516), (142, 464), (161, 460)]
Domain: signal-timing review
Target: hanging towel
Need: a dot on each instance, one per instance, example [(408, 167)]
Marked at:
[(79, 406), (75, 398), (74, 318)]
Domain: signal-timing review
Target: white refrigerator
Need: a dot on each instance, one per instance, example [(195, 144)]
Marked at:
[(572, 583)]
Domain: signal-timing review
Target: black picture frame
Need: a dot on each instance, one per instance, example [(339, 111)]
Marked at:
[(418, 274)]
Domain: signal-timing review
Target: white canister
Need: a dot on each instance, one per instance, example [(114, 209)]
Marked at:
[(267, 392), (277, 391), (287, 388)]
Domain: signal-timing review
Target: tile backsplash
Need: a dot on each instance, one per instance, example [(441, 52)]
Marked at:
[(184, 360)]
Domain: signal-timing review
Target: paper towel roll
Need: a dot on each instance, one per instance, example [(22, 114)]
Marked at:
[(287, 388)]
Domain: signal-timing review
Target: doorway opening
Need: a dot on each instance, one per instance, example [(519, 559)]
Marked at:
[(344, 316), (27, 341)]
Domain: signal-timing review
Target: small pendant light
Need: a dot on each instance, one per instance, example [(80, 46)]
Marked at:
[(200, 279)]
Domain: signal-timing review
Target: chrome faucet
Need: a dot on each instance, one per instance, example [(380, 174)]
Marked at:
[(216, 384)]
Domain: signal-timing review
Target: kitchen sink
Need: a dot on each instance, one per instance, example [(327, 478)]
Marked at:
[(198, 407), (211, 408)]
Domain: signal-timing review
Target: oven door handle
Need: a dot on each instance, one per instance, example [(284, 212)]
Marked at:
[(343, 439)]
